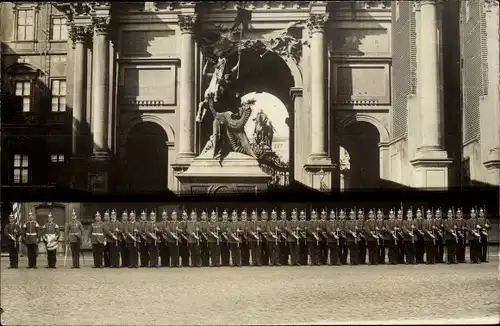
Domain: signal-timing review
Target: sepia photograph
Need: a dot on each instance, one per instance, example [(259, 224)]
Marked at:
[(250, 162)]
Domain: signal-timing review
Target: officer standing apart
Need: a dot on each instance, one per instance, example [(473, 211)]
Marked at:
[(111, 230), (50, 229), (31, 236), (74, 238), (13, 233)]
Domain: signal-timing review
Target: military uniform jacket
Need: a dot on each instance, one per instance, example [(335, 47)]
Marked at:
[(382, 230), (111, 229), (97, 233), (472, 224), (482, 221), (50, 228), (74, 231), (12, 232), (133, 229), (162, 230), (182, 234), (231, 231), (252, 232), (282, 226), (322, 233), (291, 228), (224, 225), (461, 227), (171, 228), (191, 231), (369, 229), (271, 234), (427, 229), (303, 226), (209, 228), (31, 232), (449, 228), (310, 228), (398, 224), (361, 229), (439, 227), (142, 230), (202, 232), (122, 227), (341, 225), (351, 226), (407, 230), (330, 230), (418, 222)]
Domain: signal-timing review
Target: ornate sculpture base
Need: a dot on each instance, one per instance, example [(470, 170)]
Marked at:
[(238, 173)]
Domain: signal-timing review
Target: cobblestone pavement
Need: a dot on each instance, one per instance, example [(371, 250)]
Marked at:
[(248, 295)]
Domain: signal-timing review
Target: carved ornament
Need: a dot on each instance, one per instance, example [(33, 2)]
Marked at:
[(187, 23), (80, 33), (74, 9), (491, 6), (317, 22), (101, 24)]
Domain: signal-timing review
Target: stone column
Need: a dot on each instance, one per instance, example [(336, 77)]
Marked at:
[(100, 99), (319, 149), (187, 109)]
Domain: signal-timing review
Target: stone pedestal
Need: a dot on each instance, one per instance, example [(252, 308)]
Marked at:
[(99, 173), (238, 173)]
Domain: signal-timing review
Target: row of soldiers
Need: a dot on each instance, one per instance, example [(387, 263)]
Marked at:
[(328, 239)]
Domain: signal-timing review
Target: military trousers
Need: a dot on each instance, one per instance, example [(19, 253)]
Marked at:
[(97, 251), (373, 253), (430, 252), (294, 253), (323, 252), (409, 252), (255, 253), (382, 249), (284, 252), (419, 250), (264, 252), (475, 251), (313, 252), (461, 250), (245, 253), (13, 255), (392, 252), (184, 253), (152, 254), (144, 253), (235, 253), (274, 254), (303, 252), (106, 255), (164, 254), (32, 252), (124, 253), (224, 253), (173, 248), (333, 248), (205, 253), (75, 253), (401, 251), (214, 254), (51, 258), (439, 250), (133, 254), (352, 248), (194, 251), (451, 251), (484, 248), (114, 254), (362, 249), (343, 251)]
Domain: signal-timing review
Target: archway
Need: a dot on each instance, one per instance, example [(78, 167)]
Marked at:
[(361, 139), (146, 157)]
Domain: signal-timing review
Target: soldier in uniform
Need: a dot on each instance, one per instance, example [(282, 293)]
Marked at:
[(283, 248), (183, 245), (362, 238), (173, 239), (204, 247), (223, 243), (419, 237), (391, 233), (462, 236), (384, 236), (122, 226), (473, 229), (13, 232), (264, 244), (342, 237), (323, 237), (450, 238), (409, 237), (213, 233), (303, 250), (401, 245), (331, 234), (50, 228), (143, 245), (273, 236), (192, 230), (372, 239), (233, 232), (312, 233), (133, 240), (74, 235), (106, 254), (112, 233), (162, 242), (293, 238), (429, 238), (31, 236), (254, 239), (245, 247), (439, 233), (97, 239), (152, 240), (350, 230), (484, 229)]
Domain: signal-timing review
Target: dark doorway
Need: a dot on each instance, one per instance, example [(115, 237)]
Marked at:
[(147, 158), (361, 140)]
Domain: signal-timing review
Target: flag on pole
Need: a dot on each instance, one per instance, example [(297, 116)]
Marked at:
[(243, 18), (16, 211)]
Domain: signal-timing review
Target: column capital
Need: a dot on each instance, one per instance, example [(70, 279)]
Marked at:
[(187, 23), (80, 34), (74, 10), (101, 24), (317, 22)]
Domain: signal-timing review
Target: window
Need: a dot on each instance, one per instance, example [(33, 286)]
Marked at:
[(25, 24), (57, 158), (59, 29), (21, 170), (23, 90), (58, 89)]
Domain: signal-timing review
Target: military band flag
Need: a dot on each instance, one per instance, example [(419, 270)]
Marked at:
[(16, 211)]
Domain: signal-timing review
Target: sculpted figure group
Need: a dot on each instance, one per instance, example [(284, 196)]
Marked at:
[(231, 240)]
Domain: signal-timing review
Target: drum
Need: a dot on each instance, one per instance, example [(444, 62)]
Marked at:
[(51, 241)]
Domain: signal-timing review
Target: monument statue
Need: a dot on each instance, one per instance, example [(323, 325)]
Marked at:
[(264, 129)]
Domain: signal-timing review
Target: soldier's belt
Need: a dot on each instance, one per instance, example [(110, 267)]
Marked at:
[(97, 233), (30, 233), (74, 234)]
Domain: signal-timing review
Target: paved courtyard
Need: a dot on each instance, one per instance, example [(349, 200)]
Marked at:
[(266, 295)]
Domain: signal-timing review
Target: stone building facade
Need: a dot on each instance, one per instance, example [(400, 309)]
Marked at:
[(104, 94)]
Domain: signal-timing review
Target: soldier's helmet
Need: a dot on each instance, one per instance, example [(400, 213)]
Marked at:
[(193, 214), (473, 213), (273, 213), (132, 214), (379, 213), (341, 213), (49, 215), (234, 214), (313, 213), (106, 213), (143, 213), (244, 213), (213, 214), (419, 212), (360, 213), (254, 213), (302, 213), (97, 214), (370, 213), (391, 213), (481, 212), (264, 213), (332, 214), (224, 213), (203, 214), (450, 213), (352, 214), (409, 213), (73, 213), (113, 213), (400, 212), (429, 213), (174, 213), (164, 213), (152, 214), (438, 212), (283, 214), (459, 213), (294, 213), (323, 214)]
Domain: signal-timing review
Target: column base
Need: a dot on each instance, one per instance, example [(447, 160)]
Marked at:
[(493, 167), (320, 159), (432, 171), (99, 172), (324, 176), (184, 159)]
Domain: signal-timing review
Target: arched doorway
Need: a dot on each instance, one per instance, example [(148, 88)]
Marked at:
[(146, 158), (361, 141)]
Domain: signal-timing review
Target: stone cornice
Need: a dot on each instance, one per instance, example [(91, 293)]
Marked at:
[(317, 22), (74, 10)]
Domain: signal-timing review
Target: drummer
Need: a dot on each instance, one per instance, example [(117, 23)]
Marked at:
[(50, 236)]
